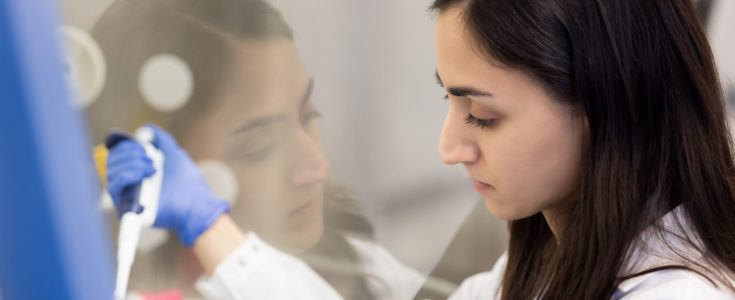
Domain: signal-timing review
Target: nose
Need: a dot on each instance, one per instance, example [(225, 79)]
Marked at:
[(456, 144), (309, 166)]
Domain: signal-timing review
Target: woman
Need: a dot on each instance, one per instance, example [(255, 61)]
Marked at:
[(250, 110), (598, 130)]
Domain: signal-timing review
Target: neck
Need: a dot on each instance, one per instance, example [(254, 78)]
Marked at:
[(555, 219)]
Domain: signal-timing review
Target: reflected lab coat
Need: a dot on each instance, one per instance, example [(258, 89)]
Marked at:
[(259, 271), (256, 270)]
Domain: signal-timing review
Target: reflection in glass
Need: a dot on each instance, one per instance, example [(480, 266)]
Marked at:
[(248, 108)]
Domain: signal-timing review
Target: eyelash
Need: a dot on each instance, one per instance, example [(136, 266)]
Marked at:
[(475, 122), (260, 154), (310, 116), (479, 123)]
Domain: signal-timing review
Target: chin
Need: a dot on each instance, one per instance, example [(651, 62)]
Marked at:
[(305, 239), (297, 240), (507, 211)]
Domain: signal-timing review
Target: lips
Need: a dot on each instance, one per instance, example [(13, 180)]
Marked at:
[(308, 203), (303, 208), (481, 186)]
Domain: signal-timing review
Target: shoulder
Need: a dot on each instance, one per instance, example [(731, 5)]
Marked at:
[(484, 285), (671, 242), (671, 284)]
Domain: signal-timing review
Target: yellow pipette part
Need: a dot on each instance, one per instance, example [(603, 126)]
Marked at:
[(100, 161)]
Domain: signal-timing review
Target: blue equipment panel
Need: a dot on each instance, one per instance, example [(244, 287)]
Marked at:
[(53, 239)]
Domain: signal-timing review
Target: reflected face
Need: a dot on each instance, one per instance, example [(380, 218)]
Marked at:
[(263, 128), (521, 147)]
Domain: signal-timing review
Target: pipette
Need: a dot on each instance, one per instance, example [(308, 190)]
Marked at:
[(139, 205)]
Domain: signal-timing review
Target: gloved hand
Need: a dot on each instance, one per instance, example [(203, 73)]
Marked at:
[(187, 205)]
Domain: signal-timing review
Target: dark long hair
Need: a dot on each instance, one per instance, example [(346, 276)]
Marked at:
[(203, 35), (643, 75)]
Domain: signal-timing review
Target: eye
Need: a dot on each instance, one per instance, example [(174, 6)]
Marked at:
[(314, 114), (259, 154), (257, 150), (479, 123), (256, 145), (309, 116)]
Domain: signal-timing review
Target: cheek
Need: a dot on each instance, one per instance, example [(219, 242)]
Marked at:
[(260, 195), (535, 163), (554, 174)]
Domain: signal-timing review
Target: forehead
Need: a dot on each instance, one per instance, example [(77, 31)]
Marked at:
[(459, 59), (461, 62), (266, 76)]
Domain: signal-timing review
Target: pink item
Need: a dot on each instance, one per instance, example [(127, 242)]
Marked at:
[(166, 295)]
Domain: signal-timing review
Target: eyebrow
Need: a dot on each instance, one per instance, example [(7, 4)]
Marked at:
[(277, 118), (462, 91), (260, 122)]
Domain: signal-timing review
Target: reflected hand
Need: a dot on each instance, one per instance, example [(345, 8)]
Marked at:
[(187, 205)]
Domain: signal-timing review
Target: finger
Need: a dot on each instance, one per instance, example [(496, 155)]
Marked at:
[(144, 165), (163, 140), (124, 158), (127, 146), (123, 180)]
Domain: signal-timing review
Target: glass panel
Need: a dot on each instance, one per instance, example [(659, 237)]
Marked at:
[(317, 122)]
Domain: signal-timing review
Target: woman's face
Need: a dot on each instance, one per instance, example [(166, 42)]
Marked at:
[(521, 147), (263, 128)]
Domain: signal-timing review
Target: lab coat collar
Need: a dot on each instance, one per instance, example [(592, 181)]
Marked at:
[(667, 242)]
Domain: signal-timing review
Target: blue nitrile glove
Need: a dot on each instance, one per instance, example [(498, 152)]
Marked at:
[(187, 205)]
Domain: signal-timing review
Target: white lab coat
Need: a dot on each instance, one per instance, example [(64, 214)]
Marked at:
[(256, 270), (650, 252), (259, 271)]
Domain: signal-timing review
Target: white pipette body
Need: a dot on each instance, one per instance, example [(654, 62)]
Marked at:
[(131, 223)]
